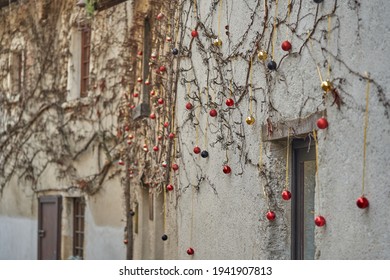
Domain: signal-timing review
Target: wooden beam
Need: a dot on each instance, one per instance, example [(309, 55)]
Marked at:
[(301, 126)]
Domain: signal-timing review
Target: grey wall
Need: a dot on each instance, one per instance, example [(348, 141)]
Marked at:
[(227, 212)]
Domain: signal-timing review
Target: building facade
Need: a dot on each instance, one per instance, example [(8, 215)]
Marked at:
[(194, 129)]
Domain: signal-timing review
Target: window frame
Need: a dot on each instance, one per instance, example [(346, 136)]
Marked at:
[(78, 226), (298, 199), (85, 61)]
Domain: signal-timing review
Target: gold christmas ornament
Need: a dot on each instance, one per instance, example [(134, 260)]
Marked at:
[(217, 42), (262, 55), (327, 85), (250, 120)]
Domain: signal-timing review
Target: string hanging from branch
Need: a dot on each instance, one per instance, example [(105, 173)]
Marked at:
[(362, 201)]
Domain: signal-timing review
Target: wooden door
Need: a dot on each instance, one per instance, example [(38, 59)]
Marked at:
[(49, 227)]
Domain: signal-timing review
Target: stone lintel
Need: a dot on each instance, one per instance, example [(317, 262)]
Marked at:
[(299, 126)]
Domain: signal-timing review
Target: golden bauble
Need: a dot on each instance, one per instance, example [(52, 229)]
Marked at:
[(262, 55), (217, 42), (250, 120), (327, 85)]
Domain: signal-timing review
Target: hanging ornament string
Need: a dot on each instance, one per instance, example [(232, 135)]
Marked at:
[(365, 134), (275, 31), (317, 176), (219, 18), (328, 43), (250, 87), (262, 172), (288, 17), (287, 160)]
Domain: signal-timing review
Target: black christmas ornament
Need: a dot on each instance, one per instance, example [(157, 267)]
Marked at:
[(204, 154), (175, 51), (164, 237), (318, 1), (271, 65)]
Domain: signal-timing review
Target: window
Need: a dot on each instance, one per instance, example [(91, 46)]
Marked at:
[(16, 71), (303, 190), (85, 55), (78, 227)]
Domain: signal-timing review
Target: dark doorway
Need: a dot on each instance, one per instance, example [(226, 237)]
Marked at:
[(49, 227), (303, 190)]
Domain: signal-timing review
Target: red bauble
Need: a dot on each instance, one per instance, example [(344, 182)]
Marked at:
[(155, 148), (162, 69), (135, 94), (139, 80), (286, 46), (171, 135), (121, 162), (168, 39), (213, 113), (160, 16), (229, 102), (194, 33), (362, 202), (322, 123), (147, 82), (152, 116), (188, 106), (164, 164), (170, 187), (271, 215), (320, 221), (132, 106), (160, 101), (125, 241), (226, 169), (139, 53), (190, 251), (175, 166), (286, 195), (197, 150), (159, 138), (152, 93), (166, 124)]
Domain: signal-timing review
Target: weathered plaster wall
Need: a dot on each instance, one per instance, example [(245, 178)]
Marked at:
[(70, 149), (223, 216)]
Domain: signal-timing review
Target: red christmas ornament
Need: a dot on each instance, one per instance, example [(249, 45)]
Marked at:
[(160, 16), (160, 101), (135, 94), (213, 113), (175, 166), (229, 102), (131, 136), (168, 39), (320, 221), (152, 93), (194, 33), (121, 162), (140, 53), (226, 169), (362, 202), (125, 241), (271, 215), (286, 46), (132, 106), (153, 55), (286, 195), (166, 124), (127, 128), (139, 80), (147, 82), (152, 116), (162, 69), (188, 106), (171, 135), (159, 138), (169, 187), (155, 148), (190, 251), (197, 150), (322, 123), (129, 142), (164, 164)]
